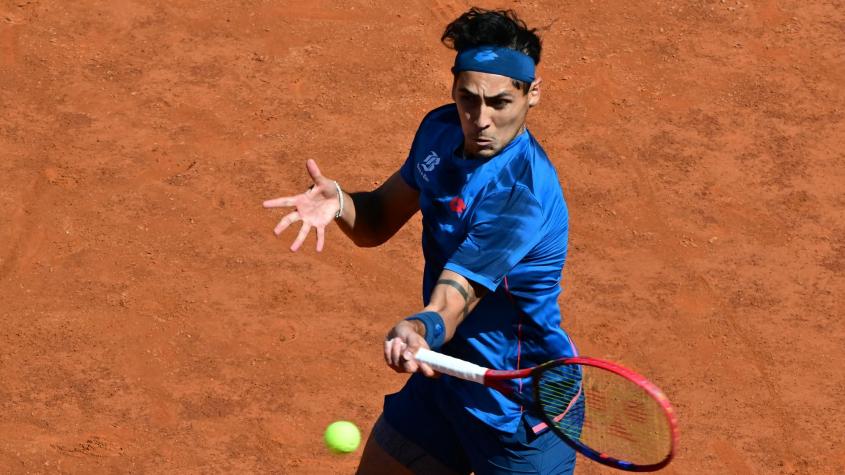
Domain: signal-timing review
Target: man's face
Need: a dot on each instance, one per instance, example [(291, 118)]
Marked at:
[(492, 110)]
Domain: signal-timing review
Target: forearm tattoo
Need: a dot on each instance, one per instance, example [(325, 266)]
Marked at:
[(460, 288)]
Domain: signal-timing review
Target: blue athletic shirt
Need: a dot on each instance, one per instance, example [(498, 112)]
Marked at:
[(502, 223)]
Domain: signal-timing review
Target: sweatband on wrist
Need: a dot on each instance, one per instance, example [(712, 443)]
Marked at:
[(496, 60), (435, 329)]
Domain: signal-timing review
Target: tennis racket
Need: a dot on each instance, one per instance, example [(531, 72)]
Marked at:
[(608, 413)]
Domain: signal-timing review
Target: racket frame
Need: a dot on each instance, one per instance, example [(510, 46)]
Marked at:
[(498, 380), (639, 380)]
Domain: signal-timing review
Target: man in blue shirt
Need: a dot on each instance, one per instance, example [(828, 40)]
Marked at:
[(495, 227)]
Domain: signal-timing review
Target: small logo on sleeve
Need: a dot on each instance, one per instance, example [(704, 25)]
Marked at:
[(428, 164)]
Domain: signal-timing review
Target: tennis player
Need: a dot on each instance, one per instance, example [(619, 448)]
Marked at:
[(494, 240)]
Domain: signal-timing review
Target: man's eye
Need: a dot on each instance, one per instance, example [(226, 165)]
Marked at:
[(499, 104)]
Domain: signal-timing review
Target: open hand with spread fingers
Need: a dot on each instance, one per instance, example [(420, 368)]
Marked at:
[(316, 208)]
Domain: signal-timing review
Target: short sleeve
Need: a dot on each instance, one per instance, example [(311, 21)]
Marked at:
[(504, 228), (407, 170)]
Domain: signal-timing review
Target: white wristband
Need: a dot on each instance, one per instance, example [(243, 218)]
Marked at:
[(340, 200)]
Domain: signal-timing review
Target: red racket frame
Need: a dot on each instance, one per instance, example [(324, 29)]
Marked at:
[(496, 378)]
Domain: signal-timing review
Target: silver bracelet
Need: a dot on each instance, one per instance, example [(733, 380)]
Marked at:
[(340, 199)]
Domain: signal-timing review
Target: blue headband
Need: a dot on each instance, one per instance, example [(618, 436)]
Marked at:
[(496, 60)]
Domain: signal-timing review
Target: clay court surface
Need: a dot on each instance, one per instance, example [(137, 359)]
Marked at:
[(150, 322)]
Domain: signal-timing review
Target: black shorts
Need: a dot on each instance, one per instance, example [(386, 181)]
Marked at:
[(428, 431)]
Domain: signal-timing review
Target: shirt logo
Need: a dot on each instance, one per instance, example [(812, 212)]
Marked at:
[(457, 205), (484, 56), (428, 164)]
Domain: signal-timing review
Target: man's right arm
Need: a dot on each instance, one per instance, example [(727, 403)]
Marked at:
[(375, 216)]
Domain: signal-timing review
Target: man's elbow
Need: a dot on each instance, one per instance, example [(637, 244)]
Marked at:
[(367, 241)]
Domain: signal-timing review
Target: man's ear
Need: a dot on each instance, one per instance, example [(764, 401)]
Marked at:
[(534, 92)]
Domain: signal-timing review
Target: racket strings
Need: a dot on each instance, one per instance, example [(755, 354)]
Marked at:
[(605, 412)]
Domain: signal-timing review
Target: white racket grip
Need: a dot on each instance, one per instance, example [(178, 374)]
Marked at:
[(452, 366)]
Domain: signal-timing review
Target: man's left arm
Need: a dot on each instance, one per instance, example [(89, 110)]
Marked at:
[(452, 299)]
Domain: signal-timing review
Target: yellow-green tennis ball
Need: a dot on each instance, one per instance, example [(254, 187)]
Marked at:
[(342, 437)]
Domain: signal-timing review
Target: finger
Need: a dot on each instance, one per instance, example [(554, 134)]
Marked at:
[(313, 170), (285, 222), (321, 237), (279, 202), (387, 352), (300, 238), (426, 370), (410, 363), (410, 366), (396, 350), (392, 353)]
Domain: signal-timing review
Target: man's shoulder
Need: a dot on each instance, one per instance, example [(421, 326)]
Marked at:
[(526, 159), (438, 132), (443, 116), (530, 168)]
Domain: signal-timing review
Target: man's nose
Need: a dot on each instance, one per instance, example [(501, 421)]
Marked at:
[(483, 117)]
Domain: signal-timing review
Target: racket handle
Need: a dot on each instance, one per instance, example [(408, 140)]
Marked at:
[(452, 366)]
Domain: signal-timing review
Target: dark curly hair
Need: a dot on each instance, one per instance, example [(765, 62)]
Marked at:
[(479, 27)]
